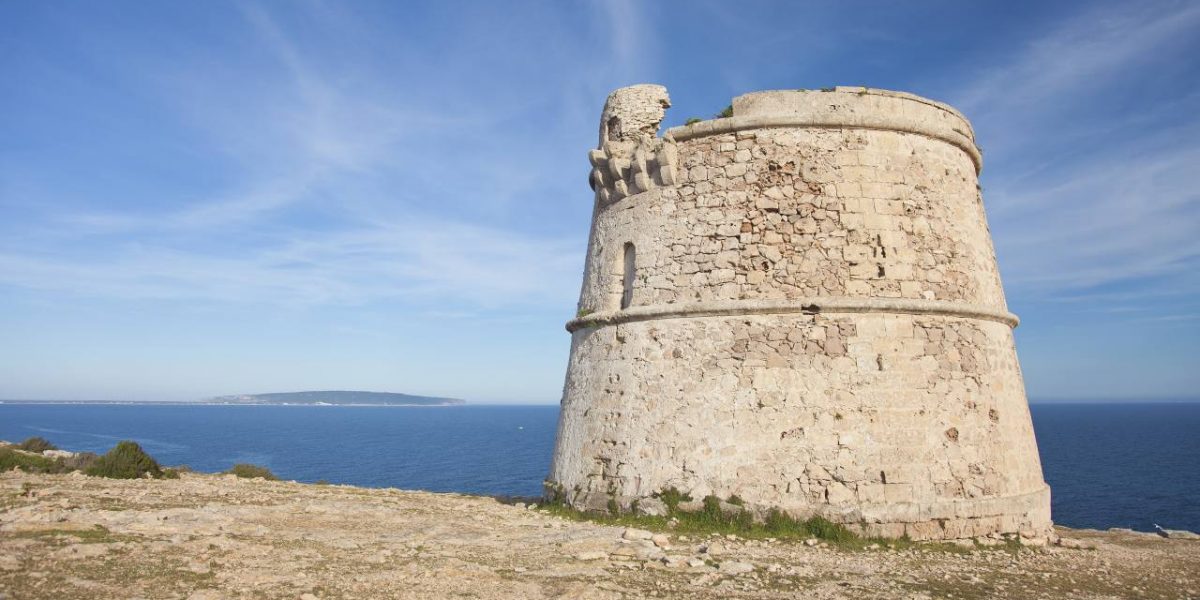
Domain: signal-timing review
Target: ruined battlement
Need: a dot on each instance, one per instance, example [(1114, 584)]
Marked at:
[(798, 304), (842, 107)]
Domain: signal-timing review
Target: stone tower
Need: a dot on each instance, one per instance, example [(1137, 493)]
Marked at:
[(798, 304)]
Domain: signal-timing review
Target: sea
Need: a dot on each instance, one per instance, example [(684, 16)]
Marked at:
[(1108, 465)]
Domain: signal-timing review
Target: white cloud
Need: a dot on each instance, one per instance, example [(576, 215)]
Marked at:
[(415, 260), (1084, 194), (357, 180), (1076, 59)]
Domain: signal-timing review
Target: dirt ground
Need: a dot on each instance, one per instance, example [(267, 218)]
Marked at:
[(212, 536)]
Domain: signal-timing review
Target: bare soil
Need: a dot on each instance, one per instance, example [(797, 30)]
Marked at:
[(210, 536)]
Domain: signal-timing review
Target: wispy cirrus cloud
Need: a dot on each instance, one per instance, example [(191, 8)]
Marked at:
[(1083, 55), (351, 183), (1087, 196), (421, 260)]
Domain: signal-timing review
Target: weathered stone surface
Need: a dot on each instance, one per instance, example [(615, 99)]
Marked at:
[(733, 567), (637, 534), (810, 317), (652, 507)]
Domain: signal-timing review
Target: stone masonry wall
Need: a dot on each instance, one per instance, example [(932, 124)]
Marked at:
[(814, 321)]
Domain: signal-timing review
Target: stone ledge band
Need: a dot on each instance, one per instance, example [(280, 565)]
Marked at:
[(812, 306), (841, 121)]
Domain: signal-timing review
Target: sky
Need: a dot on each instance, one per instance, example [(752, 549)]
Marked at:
[(208, 198)]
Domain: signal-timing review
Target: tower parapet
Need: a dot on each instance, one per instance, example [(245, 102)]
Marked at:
[(799, 305)]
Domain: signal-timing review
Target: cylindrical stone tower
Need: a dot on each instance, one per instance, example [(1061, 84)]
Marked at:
[(798, 304)]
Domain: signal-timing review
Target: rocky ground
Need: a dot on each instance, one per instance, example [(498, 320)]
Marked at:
[(209, 536)]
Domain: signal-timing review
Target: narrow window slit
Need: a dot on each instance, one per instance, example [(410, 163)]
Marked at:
[(630, 270)]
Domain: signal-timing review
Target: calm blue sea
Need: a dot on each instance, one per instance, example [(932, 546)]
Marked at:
[(1110, 465)]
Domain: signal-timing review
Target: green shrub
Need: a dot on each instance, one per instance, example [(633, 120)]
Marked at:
[(30, 463), (725, 113), (672, 497), (251, 471), (824, 529), (126, 460), (692, 121), (37, 445)]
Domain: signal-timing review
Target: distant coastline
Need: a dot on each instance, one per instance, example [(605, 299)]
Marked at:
[(309, 398)]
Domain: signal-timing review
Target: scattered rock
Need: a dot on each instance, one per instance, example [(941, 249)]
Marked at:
[(652, 507), (661, 540), (1178, 534), (733, 567), (673, 562), (593, 555), (1074, 544), (206, 595), (9, 563)]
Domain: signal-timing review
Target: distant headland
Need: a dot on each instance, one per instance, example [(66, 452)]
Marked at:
[(337, 398), (317, 398)]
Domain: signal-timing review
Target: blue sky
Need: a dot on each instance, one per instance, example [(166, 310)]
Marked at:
[(211, 198)]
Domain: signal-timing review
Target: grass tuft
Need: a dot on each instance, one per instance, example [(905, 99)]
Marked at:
[(714, 518), (672, 497)]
